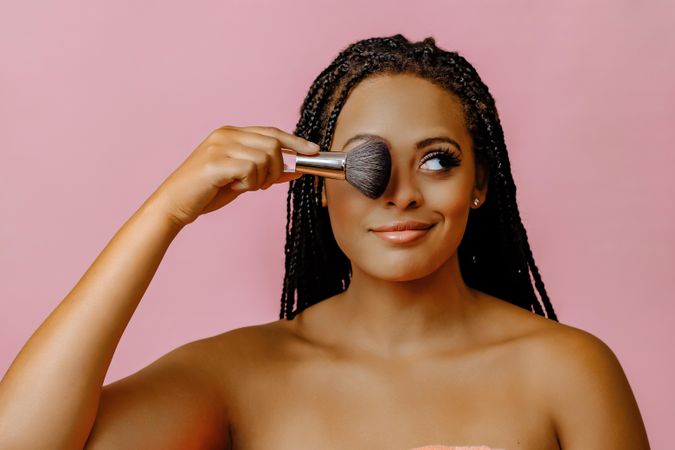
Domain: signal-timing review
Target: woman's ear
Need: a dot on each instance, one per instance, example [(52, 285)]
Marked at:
[(481, 185)]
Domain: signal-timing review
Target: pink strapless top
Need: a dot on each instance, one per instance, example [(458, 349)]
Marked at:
[(446, 447)]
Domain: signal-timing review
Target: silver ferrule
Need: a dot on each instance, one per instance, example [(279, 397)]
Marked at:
[(325, 164)]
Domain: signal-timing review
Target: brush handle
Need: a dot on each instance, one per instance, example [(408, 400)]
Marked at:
[(289, 160), (325, 164)]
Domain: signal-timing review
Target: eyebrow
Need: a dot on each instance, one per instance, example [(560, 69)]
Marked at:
[(420, 145)]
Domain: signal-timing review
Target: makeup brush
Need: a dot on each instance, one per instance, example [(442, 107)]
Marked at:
[(367, 166)]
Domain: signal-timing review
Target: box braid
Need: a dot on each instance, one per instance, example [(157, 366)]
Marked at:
[(494, 254)]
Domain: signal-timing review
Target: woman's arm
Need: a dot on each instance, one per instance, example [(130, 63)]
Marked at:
[(50, 393), (592, 404), (172, 404), (49, 397)]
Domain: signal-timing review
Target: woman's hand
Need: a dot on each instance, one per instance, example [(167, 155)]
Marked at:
[(230, 161)]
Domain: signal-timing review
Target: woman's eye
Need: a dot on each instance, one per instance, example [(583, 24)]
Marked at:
[(439, 160)]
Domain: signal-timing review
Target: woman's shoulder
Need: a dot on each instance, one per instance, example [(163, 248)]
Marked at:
[(546, 345), (563, 352), (247, 344), (533, 327), (565, 363), (581, 384)]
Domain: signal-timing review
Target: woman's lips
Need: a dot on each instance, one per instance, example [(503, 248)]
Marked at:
[(401, 237)]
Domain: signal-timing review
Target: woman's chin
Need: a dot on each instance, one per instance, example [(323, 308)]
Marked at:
[(390, 272)]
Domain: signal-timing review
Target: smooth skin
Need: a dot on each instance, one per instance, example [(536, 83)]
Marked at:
[(407, 356)]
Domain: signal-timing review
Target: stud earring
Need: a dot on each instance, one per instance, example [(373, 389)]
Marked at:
[(476, 201)]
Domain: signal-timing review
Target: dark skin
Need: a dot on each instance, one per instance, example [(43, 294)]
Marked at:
[(408, 355)]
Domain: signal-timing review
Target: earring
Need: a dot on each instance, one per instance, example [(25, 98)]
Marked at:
[(476, 201)]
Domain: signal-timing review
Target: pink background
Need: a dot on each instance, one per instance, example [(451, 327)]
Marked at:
[(99, 102)]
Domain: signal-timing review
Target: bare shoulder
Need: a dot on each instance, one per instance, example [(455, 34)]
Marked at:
[(235, 354), (181, 400), (561, 353), (246, 340), (172, 403), (583, 387)]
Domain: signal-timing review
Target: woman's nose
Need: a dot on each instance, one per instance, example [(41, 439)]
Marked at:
[(402, 190)]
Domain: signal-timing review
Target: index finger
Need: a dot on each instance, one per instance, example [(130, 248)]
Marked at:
[(287, 140)]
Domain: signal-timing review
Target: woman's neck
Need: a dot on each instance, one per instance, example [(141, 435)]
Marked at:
[(403, 317)]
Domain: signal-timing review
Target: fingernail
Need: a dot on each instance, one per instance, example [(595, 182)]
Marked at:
[(314, 145)]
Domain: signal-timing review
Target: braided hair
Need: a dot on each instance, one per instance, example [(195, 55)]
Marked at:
[(494, 254)]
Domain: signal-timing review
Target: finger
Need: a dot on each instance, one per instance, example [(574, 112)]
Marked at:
[(287, 140), (246, 178), (260, 158), (239, 174), (268, 144), (283, 178), (287, 176)]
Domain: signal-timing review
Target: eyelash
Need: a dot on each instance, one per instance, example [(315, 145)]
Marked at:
[(443, 153)]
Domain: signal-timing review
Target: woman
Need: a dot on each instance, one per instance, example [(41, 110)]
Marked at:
[(406, 321)]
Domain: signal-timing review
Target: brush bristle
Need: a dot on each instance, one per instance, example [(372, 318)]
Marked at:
[(368, 167)]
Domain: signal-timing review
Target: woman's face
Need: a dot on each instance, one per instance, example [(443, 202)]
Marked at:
[(426, 185)]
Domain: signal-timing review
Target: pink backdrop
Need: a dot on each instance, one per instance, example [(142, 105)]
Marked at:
[(99, 102)]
